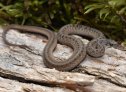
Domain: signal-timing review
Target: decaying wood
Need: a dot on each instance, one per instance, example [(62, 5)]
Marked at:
[(15, 86), (21, 66)]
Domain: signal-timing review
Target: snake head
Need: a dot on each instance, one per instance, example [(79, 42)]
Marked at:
[(112, 42), (115, 45), (107, 42)]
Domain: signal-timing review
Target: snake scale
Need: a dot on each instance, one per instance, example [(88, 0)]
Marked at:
[(94, 48)]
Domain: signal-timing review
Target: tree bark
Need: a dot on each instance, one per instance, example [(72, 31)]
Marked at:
[(22, 69)]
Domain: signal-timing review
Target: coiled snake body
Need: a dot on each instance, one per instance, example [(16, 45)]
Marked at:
[(94, 47)]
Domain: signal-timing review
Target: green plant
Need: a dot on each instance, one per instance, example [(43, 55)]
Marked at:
[(112, 15), (47, 13), (108, 16)]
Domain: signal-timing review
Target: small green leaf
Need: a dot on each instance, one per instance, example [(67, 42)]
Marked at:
[(122, 11), (92, 7), (104, 11), (117, 3), (1, 5), (15, 12), (113, 19)]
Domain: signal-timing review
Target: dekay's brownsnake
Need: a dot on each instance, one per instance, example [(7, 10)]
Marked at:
[(94, 48)]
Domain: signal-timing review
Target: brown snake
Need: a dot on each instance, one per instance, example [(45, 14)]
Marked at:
[(94, 47)]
